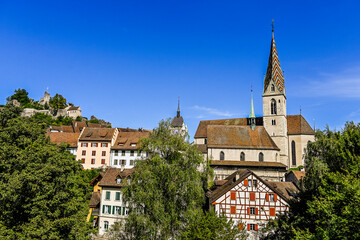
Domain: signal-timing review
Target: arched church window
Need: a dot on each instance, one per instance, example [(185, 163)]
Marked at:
[(261, 157), (222, 155), (293, 153), (242, 156), (272, 88), (273, 106)]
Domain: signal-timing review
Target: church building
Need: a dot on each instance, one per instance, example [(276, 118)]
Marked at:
[(267, 145)]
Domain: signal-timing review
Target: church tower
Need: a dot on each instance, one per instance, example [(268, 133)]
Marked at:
[(274, 103)]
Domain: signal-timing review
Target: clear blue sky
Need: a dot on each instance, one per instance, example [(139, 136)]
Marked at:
[(128, 61)]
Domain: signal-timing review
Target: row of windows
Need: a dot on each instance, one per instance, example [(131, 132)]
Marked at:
[(108, 195), (253, 211), (270, 197), (93, 153), (94, 144), (93, 161), (123, 162), (116, 210), (242, 156), (132, 153)]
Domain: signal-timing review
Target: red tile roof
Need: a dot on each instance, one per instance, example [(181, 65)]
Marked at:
[(220, 136), (296, 124), (64, 137), (95, 200), (97, 134), (111, 174), (125, 140), (202, 128), (246, 163)]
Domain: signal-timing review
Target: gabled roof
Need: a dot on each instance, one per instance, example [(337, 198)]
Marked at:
[(97, 179), (111, 174), (285, 190), (220, 136), (64, 137), (97, 134), (125, 140), (273, 73), (73, 108), (297, 124)]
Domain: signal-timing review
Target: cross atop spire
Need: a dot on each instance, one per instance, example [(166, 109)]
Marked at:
[(274, 74), (178, 110)]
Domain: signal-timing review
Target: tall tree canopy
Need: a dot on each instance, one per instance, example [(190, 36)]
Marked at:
[(328, 207), (43, 190), (167, 195), (57, 102), (20, 95)]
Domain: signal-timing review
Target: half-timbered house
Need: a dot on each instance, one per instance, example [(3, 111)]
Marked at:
[(250, 201)]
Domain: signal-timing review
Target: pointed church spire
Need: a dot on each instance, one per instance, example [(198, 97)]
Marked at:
[(274, 75), (178, 110), (252, 113)]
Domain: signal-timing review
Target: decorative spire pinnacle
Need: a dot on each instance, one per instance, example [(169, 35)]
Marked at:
[(178, 110), (274, 74), (252, 113)]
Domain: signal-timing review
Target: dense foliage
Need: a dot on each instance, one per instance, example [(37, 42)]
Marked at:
[(167, 194), (328, 208), (49, 120), (44, 193), (57, 102), (22, 96)]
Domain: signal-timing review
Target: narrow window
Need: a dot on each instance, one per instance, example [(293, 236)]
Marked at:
[(293, 153), (255, 183), (205, 140), (106, 225), (93, 161), (273, 122), (222, 155), (102, 161), (252, 211), (83, 160), (83, 152), (118, 180), (132, 153), (103, 153), (123, 153), (115, 162), (261, 157), (272, 88), (107, 196), (273, 106), (242, 156), (93, 153), (117, 196), (116, 153)]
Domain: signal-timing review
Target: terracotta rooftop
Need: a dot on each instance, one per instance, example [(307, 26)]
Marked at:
[(111, 174), (286, 189), (202, 128), (64, 137), (129, 140), (62, 128), (246, 163), (239, 137), (73, 108), (97, 134), (298, 174), (297, 124)]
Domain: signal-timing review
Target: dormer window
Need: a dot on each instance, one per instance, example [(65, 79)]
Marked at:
[(133, 145), (118, 180)]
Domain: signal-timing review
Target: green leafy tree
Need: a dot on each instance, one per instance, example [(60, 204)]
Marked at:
[(44, 193), (328, 208), (208, 226), (20, 95), (167, 193), (57, 102)]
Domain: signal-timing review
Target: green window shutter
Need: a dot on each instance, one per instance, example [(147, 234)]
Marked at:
[(109, 209), (107, 195), (113, 209), (117, 196), (123, 210), (119, 210), (103, 208)]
